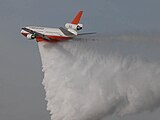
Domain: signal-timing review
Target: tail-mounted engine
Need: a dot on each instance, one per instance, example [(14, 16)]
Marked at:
[(74, 26)]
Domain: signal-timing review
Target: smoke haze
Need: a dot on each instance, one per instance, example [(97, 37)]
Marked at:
[(91, 78)]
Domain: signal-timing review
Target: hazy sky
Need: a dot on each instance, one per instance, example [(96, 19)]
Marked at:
[(21, 92)]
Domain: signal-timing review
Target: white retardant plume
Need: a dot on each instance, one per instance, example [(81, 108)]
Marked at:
[(89, 80)]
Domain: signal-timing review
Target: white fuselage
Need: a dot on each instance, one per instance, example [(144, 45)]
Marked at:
[(53, 33), (46, 31)]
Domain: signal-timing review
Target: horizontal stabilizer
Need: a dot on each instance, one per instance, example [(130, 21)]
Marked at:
[(86, 33)]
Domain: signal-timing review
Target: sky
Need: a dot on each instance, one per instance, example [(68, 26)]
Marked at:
[(21, 92)]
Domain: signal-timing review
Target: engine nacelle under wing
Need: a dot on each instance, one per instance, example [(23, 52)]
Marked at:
[(31, 36)]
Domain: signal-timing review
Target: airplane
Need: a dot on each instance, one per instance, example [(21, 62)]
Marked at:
[(55, 34)]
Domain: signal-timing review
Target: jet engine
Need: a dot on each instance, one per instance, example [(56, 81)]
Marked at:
[(74, 26), (31, 36)]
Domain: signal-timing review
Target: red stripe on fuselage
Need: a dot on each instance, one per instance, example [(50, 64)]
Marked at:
[(54, 38)]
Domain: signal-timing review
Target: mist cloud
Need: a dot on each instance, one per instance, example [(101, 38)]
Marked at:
[(89, 80)]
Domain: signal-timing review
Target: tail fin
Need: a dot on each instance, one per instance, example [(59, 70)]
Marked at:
[(77, 18)]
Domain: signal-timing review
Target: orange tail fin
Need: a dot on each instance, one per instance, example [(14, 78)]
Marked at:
[(77, 18)]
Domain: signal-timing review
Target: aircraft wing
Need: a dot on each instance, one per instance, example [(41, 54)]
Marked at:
[(86, 33), (66, 32), (36, 33)]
